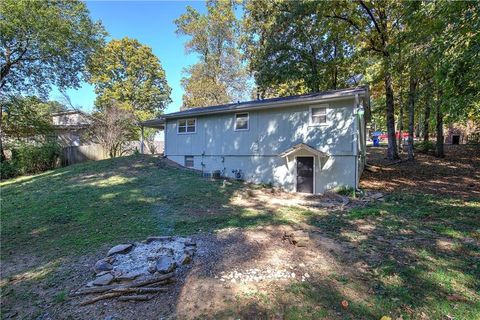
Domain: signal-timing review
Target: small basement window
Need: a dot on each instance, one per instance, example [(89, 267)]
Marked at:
[(241, 121), (318, 115), (189, 161), (186, 126)]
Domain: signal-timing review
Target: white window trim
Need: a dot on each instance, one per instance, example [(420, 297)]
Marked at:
[(185, 161), (186, 120), (235, 121), (310, 115)]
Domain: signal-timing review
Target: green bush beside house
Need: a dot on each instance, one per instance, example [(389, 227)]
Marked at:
[(30, 159)]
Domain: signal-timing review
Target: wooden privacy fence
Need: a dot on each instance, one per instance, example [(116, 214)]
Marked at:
[(77, 154)]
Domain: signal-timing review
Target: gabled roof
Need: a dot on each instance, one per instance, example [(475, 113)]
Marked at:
[(302, 147), (71, 111)]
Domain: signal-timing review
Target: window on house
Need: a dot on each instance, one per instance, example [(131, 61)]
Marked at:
[(318, 115), (189, 161), (241, 121), (186, 126)]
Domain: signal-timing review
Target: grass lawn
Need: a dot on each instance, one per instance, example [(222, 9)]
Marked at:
[(420, 252), (71, 210)]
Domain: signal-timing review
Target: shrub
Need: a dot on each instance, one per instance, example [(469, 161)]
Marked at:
[(8, 169), (474, 138), (425, 146), (345, 191), (29, 158)]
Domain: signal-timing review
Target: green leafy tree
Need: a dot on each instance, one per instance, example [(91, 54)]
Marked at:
[(219, 76), (290, 44), (201, 90), (419, 57), (457, 52), (129, 73), (43, 43), (27, 118), (316, 41), (442, 40), (376, 26)]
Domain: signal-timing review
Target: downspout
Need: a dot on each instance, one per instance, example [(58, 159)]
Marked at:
[(355, 142), (165, 139)]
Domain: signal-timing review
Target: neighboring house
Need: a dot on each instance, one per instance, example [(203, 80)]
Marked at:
[(457, 133), (71, 126), (308, 143)]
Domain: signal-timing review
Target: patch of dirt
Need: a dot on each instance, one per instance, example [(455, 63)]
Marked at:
[(235, 265), (458, 174), (273, 199)]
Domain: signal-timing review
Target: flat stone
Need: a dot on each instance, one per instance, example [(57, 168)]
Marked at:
[(102, 265), (377, 195), (121, 248), (117, 273), (152, 269), (190, 251), (129, 276), (103, 280), (190, 243), (165, 264), (185, 259)]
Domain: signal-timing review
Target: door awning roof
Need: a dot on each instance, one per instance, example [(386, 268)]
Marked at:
[(302, 147), (158, 123)]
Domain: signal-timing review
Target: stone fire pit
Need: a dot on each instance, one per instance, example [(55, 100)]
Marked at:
[(136, 267)]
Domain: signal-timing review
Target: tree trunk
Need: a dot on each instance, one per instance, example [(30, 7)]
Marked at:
[(426, 114), (439, 115), (400, 123), (411, 114), (392, 153), (315, 87), (2, 152), (335, 68), (426, 121)]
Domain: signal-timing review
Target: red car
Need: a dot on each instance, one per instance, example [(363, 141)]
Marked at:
[(384, 136)]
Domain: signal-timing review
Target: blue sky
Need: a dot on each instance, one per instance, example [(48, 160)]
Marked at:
[(150, 22)]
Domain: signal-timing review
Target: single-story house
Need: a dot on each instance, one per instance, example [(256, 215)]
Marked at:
[(306, 143)]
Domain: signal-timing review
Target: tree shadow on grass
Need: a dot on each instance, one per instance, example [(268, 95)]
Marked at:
[(68, 216), (414, 268)]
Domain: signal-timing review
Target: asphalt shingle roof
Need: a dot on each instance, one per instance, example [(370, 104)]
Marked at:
[(256, 104), (266, 103)]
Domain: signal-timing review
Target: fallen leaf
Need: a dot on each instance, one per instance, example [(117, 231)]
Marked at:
[(456, 298)]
